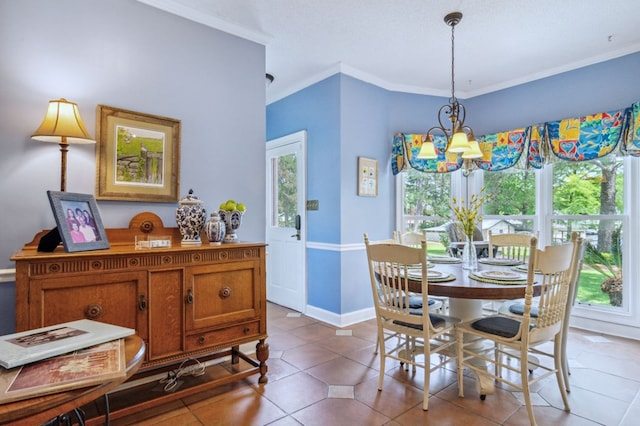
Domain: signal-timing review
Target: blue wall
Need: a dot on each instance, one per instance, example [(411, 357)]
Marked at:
[(367, 119)]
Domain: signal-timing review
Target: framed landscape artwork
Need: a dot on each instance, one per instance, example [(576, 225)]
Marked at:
[(138, 156), (78, 220)]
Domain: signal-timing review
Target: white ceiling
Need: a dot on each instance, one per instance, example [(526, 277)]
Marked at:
[(405, 45)]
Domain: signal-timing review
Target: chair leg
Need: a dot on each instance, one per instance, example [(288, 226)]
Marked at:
[(460, 359), (524, 376), (383, 353), (427, 375), (560, 372)]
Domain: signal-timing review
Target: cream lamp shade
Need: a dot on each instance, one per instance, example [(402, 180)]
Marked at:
[(459, 142), (62, 124), (427, 151), (473, 152)]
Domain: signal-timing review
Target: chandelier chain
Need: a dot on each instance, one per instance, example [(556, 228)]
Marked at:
[(453, 80)]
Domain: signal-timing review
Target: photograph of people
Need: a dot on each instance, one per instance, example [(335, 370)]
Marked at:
[(82, 226)]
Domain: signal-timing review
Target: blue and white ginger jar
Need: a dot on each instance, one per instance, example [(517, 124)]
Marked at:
[(215, 228), (190, 216)]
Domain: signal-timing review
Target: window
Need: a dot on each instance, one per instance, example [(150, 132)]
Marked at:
[(512, 205), (588, 197), (425, 206)]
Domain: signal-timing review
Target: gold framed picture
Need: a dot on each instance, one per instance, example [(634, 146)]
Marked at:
[(138, 156), (367, 177)]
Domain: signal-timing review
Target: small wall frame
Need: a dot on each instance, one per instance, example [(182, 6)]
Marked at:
[(367, 177)]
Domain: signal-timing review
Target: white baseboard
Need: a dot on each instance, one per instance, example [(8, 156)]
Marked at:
[(339, 320)]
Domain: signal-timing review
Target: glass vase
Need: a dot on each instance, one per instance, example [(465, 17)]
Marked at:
[(469, 255)]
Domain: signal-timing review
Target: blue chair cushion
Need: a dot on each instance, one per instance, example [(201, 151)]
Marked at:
[(436, 320), (500, 326), (415, 302), (518, 309)]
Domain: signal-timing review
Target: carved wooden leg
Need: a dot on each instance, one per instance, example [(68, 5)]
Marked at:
[(262, 353)]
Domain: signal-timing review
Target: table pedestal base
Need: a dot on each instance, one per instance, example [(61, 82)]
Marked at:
[(468, 309)]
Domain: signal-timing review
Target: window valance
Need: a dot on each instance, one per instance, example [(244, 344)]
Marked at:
[(571, 139)]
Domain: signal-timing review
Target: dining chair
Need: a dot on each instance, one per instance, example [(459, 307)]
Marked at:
[(553, 271), (515, 308), (391, 267), (415, 239), (509, 246), (412, 238)]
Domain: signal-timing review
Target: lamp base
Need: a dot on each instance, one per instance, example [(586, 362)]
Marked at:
[(50, 241)]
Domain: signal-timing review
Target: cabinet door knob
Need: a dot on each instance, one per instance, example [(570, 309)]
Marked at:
[(224, 292), (189, 297), (201, 340), (93, 311), (142, 304), (246, 330)]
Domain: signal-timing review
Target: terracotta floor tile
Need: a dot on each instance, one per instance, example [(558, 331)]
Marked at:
[(314, 332), (394, 399), (242, 406), (342, 371), (307, 356), (295, 392), (441, 413), (339, 412)]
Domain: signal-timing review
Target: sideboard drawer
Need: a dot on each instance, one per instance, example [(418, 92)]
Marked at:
[(218, 337)]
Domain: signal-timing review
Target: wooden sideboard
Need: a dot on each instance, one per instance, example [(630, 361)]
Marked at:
[(183, 301)]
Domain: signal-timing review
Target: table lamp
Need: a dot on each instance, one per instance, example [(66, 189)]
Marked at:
[(63, 125)]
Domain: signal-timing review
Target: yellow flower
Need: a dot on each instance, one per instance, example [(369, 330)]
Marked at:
[(469, 215)]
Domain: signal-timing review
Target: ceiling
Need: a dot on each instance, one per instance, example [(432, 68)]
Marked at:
[(404, 45)]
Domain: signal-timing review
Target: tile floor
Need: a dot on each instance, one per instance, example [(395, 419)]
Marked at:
[(323, 375)]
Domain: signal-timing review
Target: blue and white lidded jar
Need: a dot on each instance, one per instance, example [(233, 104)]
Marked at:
[(190, 216), (215, 228)]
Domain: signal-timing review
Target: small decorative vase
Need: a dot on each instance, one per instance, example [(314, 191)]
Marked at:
[(190, 216), (469, 255), (215, 228), (232, 220)]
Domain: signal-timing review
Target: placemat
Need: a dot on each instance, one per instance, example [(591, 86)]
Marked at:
[(444, 259), (431, 275), (524, 268), (500, 262), (484, 279)]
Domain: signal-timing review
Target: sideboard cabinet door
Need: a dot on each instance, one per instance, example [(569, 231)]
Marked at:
[(113, 298), (222, 294)]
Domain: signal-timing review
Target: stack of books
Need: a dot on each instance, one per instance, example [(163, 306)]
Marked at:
[(60, 357)]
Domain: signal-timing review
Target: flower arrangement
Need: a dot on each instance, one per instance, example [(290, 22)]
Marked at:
[(469, 216)]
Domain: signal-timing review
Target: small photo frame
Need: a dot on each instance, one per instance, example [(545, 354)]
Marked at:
[(78, 220), (367, 177)]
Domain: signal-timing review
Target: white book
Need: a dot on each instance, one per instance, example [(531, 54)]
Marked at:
[(33, 345)]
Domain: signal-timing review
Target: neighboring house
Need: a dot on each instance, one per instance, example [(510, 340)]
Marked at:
[(497, 226)]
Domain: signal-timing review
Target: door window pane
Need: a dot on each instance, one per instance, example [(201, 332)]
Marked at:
[(285, 191)]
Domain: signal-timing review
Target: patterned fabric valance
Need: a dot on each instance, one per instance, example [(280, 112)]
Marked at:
[(571, 139), (585, 138)]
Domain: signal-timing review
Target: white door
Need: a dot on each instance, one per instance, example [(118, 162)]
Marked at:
[(286, 220)]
